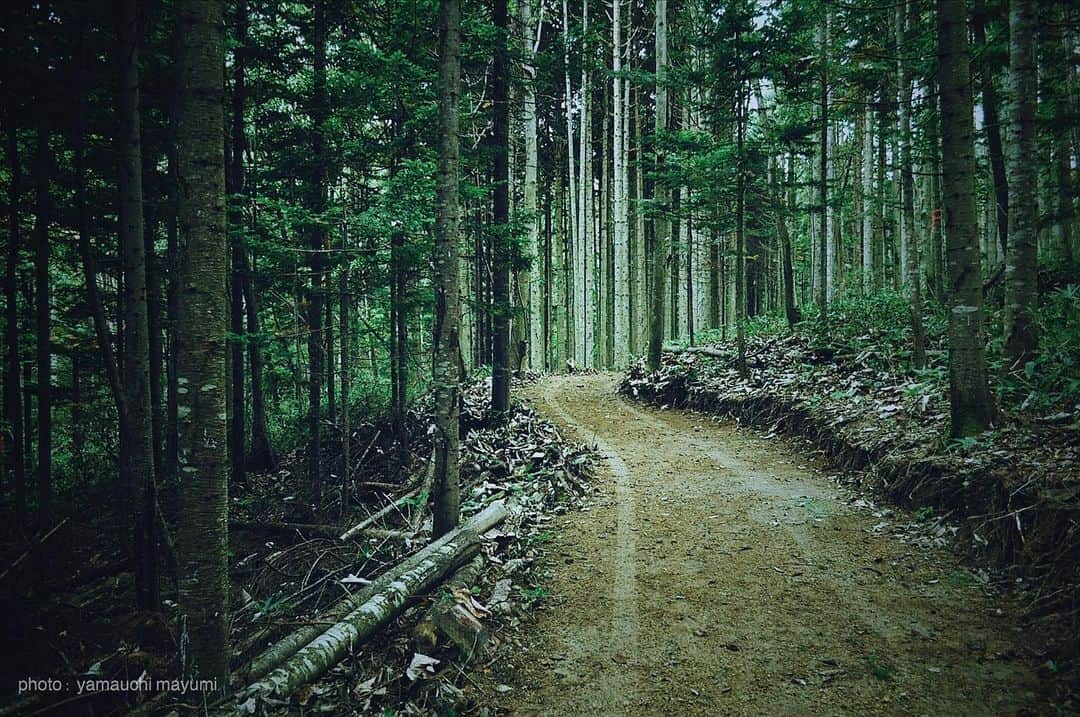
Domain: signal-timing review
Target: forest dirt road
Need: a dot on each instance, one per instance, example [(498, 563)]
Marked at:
[(717, 572)]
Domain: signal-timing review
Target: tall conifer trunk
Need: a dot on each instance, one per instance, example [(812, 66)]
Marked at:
[(500, 289), (969, 397), (662, 226), (201, 344), (136, 354), (235, 178), (446, 377), (14, 458), (1021, 330)]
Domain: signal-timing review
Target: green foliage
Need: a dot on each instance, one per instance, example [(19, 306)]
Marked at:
[(272, 606), (879, 668), (533, 595), (1051, 380)]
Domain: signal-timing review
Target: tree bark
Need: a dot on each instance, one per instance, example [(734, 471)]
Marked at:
[(740, 220), (262, 454), (446, 378), (43, 321), (533, 291), (136, 356), (621, 254), (317, 243), (913, 278), (14, 458), (393, 589), (1021, 329), (201, 343), (991, 123), (662, 226), (500, 288), (572, 240), (971, 407), (823, 254), (235, 176)]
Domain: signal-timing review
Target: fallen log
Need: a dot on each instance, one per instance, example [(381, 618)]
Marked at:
[(704, 351), (453, 620), (290, 663)]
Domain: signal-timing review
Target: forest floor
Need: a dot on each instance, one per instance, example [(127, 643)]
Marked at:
[(717, 571)]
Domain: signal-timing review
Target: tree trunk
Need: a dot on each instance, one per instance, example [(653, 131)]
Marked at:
[(43, 320), (584, 251), (136, 356), (317, 243), (907, 188), (201, 344), (153, 320), (991, 122), (172, 302), (14, 458), (262, 455), (662, 226), (823, 245), (235, 178), (740, 222), (971, 406), (446, 378), (500, 287), (533, 292), (1021, 330), (413, 576), (574, 231), (621, 254)]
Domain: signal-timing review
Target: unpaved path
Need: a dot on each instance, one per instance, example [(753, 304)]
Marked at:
[(720, 573)]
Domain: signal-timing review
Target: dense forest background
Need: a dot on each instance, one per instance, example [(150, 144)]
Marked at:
[(256, 202)]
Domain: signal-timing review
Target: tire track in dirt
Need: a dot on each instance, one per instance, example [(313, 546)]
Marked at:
[(624, 617), (718, 573)]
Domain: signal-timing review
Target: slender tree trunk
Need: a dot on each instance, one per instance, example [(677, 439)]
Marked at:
[(345, 364), (791, 310), (170, 473), (43, 305), (331, 358), (153, 321), (867, 244), (1021, 330), (621, 255), (534, 288), (584, 252), (204, 577), (991, 122), (907, 188), (446, 378), (15, 459), (640, 282), (136, 355), (500, 367), (662, 226), (235, 177), (937, 285), (262, 455), (969, 397), (574, 233), (824, 264), (740, 222), (317, 243)]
